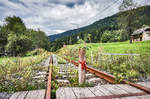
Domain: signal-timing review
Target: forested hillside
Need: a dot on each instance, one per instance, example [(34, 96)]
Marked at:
[(108, 29), (16, 39)]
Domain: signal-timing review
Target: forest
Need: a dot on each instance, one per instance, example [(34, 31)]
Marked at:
[(110, 29), (16, 39)]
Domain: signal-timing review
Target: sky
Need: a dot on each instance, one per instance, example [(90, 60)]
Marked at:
[(57, 16)]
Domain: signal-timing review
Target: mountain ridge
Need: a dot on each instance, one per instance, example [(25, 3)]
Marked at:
[(96, 30)]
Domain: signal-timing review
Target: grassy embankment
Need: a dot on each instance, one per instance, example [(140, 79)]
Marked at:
[(122, 66), (16, 73)]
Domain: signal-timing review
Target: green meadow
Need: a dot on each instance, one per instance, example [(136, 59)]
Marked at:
[(122, 66), (117, 47)]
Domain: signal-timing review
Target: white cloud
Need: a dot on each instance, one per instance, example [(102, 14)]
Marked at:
[(56, 16)]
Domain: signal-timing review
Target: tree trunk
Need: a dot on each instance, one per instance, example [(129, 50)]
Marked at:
[(130, 32)]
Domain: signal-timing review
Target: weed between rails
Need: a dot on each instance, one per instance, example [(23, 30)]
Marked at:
[(73, 80), (17, 75)]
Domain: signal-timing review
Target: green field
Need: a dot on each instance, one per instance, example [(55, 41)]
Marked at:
[(122, 66), (4, 59), (118, 47)]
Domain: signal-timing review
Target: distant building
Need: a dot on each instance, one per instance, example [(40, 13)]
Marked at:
[(142, 34)]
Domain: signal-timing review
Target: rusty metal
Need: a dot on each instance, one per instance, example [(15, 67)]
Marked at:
[(147, 90), (110, 78), (48, 89), (117, 96), (107, 77)]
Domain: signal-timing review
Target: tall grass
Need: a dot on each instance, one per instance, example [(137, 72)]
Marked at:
[(122, 66), (16, 74)]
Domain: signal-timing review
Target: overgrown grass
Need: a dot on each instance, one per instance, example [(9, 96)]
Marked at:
[(72, 77), (117, 47), (16, 73), (122, 66)]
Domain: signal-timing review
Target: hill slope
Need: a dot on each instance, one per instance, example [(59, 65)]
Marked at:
[(108, 21), (95, 30)]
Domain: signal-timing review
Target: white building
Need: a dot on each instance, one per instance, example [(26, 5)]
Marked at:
[(142, 34)]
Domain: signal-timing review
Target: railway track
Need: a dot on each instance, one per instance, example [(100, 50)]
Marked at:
[(48, 89), (110, 78)]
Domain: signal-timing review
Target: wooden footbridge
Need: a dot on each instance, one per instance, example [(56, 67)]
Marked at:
[(126, 90)]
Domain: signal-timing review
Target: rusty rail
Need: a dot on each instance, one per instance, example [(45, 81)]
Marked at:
[(110, 78), (107, 77), (48, 89)]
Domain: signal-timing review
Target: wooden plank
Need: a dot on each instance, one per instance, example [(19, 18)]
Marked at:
[(136, 97), (41, 94), (83, 92), (114, 89), (32, 95), (22, 95), (105, 91), (96, 91), (144, 97), (129, 89), (69, 93), (148, 84), (133, 97), (142, 83), (60, 93), (15, 95), (145, 84)]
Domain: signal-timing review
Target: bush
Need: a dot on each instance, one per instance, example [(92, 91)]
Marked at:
[(18, 45), (112, 36), (35, 52)]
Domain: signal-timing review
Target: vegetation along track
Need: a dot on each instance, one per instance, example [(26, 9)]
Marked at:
[(110, 78)]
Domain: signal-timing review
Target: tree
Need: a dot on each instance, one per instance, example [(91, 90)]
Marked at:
[(17, 39), (129, 20), (15, 24), (18, 45), (3, 38), (89, 37), (39, 39)]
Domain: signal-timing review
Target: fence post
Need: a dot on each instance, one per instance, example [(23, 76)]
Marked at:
[(82, 65)]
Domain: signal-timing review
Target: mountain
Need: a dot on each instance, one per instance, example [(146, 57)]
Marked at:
[(108, 20), (96, 30)]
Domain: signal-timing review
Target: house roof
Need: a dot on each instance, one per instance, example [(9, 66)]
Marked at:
[(139, 31)]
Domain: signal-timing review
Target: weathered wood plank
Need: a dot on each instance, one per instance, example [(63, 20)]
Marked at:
[(83, 92), (133, 97), (15, 95), (69, 93), (22, 95), (102, 89), (148, 84), (114, 89), (41, 94), (60, 93), (96, 91), (129, 89), (145, 84), (144, 97), (136, 97), (32, 95)]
